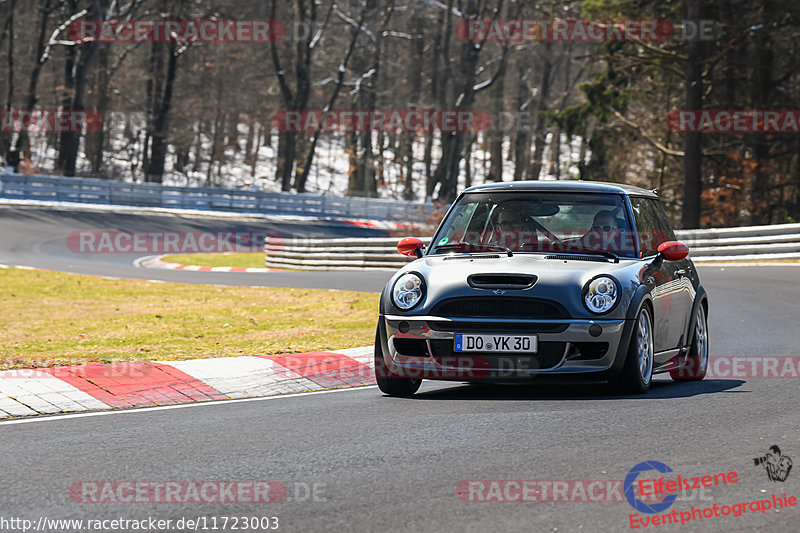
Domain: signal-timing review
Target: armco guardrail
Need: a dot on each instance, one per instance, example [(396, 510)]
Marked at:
[(781, 241), (111, 192), (756, 243), (333, 254)]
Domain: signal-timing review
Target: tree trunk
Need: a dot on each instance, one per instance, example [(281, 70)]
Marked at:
[(453, 143), (95, 141), (692, 161), (296, 100), (555, 154), (251, 138), (468, 162), (350, 149), (366, 100), (252, 146), (430, 184), (495, 134), (286, 155), (761, 203), (417, 31), (216, 142), (408, 185), (8, 32), (71, 54), (71, 139), (540, 132), (160, 89), (23, 140), (441, 59), (522, 139)]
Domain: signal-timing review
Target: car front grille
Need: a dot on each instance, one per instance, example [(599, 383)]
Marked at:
[(495, 327), (499, 307)]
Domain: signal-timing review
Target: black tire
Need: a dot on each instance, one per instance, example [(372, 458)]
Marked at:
[(696, 364), (388, 382), (637, 374)]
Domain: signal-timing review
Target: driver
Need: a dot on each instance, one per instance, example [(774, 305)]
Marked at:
[(512, 227), (604, 221), (510, 217), (604, 235)]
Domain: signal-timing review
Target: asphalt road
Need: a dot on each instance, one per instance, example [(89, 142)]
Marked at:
[(385, 464), (37, 237)]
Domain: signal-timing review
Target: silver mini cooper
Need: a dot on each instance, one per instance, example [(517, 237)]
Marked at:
[(527, 279)]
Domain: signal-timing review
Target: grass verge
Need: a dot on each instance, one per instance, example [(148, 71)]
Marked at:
[(245, 259), (52, 318)]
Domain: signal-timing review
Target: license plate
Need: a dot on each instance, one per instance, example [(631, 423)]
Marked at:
[(496, 343)]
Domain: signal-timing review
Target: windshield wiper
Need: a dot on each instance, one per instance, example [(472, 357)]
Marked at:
[(484, 247), (608, 255)]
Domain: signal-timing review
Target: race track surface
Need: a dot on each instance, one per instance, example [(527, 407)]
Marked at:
[(386, 464), (37, 237)]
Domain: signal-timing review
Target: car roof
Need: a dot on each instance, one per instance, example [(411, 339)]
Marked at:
[(564, 186)]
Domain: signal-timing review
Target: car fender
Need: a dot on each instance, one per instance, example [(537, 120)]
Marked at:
[(639, 299), (382, 342), (641, 295), (699, 297)]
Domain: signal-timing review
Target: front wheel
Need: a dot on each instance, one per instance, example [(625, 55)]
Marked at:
[(637, 372), (696, 365), (388, 382)]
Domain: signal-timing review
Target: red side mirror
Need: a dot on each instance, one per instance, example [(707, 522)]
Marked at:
[(410, 246), (673, 250)]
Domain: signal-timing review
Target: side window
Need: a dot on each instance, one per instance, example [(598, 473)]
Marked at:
[(457, 223), (650, 229), (663, 221)]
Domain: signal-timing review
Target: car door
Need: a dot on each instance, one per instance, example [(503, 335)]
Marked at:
[(664, 284), (681, 271)]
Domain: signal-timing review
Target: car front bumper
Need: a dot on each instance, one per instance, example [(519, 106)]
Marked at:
[(423, 346)]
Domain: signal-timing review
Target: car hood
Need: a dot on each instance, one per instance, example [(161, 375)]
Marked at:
[(556, 279)]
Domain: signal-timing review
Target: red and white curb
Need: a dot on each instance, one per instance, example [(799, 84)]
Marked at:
[(156, 261), (377, 224), (140, 384)]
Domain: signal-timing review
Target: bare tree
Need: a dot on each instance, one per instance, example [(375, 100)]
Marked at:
[(41, 57), (297, 98), (467, 87), (79, 62)]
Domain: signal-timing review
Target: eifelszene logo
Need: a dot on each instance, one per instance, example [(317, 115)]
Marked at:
[(777, 466), (630, 485)]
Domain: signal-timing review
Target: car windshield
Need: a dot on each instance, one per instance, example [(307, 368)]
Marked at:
[(537, 222)]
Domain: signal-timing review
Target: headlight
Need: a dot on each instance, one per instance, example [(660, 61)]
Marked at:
[(408, 291), (601, 294)]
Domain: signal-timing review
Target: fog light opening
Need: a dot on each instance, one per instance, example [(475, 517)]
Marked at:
[(595, 330)]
